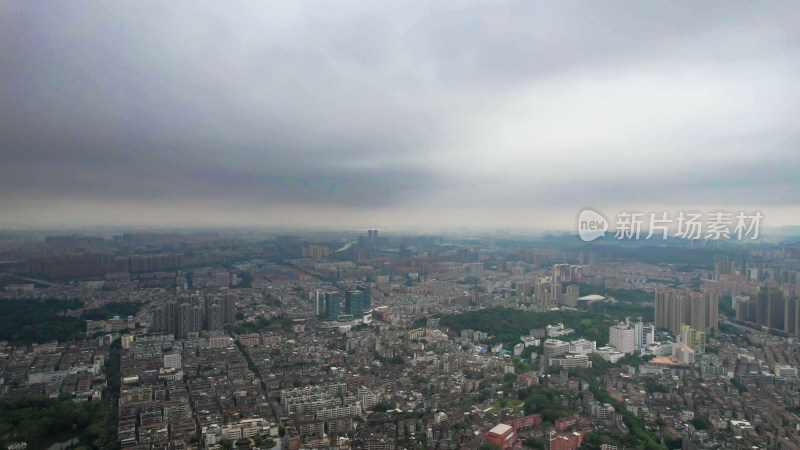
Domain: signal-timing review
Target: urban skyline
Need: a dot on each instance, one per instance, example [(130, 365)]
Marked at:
[(352, 225)]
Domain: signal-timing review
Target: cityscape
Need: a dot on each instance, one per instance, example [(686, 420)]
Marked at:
[(382, 340), (399, 225)]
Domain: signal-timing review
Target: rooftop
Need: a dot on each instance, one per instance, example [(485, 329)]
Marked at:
[(500, 429)]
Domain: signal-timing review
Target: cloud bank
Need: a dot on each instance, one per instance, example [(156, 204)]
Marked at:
[(501, 114)]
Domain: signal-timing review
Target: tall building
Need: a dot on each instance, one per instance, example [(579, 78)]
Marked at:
[(566, 273), (333, 301), (674, 308), (288, 246), (214, 315), (648, 335), (316, 251), (712, 311), (771, 309), (524, 288), (163, 318), (792, 316), (373, 239), (368, 242), (638, 334), (228, 308), (570, 297), (696, 340), (357, 301), (193, 313), (158, 319), (724, 267), (703, 314), (190, 320), (562, 273), (622, 338), (669, 311), (319, 303), (541, 293)]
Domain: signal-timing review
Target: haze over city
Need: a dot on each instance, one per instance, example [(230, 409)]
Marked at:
[(501, 114), (384, 225)]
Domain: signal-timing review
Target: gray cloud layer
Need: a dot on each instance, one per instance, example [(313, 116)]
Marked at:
[(431, 113)]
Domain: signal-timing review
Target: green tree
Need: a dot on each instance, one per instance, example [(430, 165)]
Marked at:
[(701, 423)]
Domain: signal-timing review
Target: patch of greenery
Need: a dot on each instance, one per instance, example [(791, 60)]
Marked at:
[(507, 325), (596, 439), (652, 386), (35, 419), (661, 254), (623, 295), (701, 423), (639, 437), (383, 406), (726, 308), (543, 400), (32, 321), (728, 329), (110, 310), (623, 310), (533, 442)]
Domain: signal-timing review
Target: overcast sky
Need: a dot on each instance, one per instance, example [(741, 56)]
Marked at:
[(377, 113)]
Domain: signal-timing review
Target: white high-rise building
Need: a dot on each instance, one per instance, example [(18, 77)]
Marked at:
[(644, 334), (172, 361), (622, 338), (648, 335), (319, 303), (638, 328)]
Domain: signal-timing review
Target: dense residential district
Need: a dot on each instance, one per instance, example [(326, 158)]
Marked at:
[(373, 340)]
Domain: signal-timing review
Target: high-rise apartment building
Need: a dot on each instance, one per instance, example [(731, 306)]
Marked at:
[(316, 251), (190, 320), (669, 310), (214, 315), (772, 309), (524, 288), (565, 273), (674, 308), (192, 313)]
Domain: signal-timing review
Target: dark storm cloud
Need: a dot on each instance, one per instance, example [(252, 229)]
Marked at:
[(404, 105)]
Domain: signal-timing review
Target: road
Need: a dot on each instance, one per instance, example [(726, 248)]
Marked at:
[(32, 280)]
